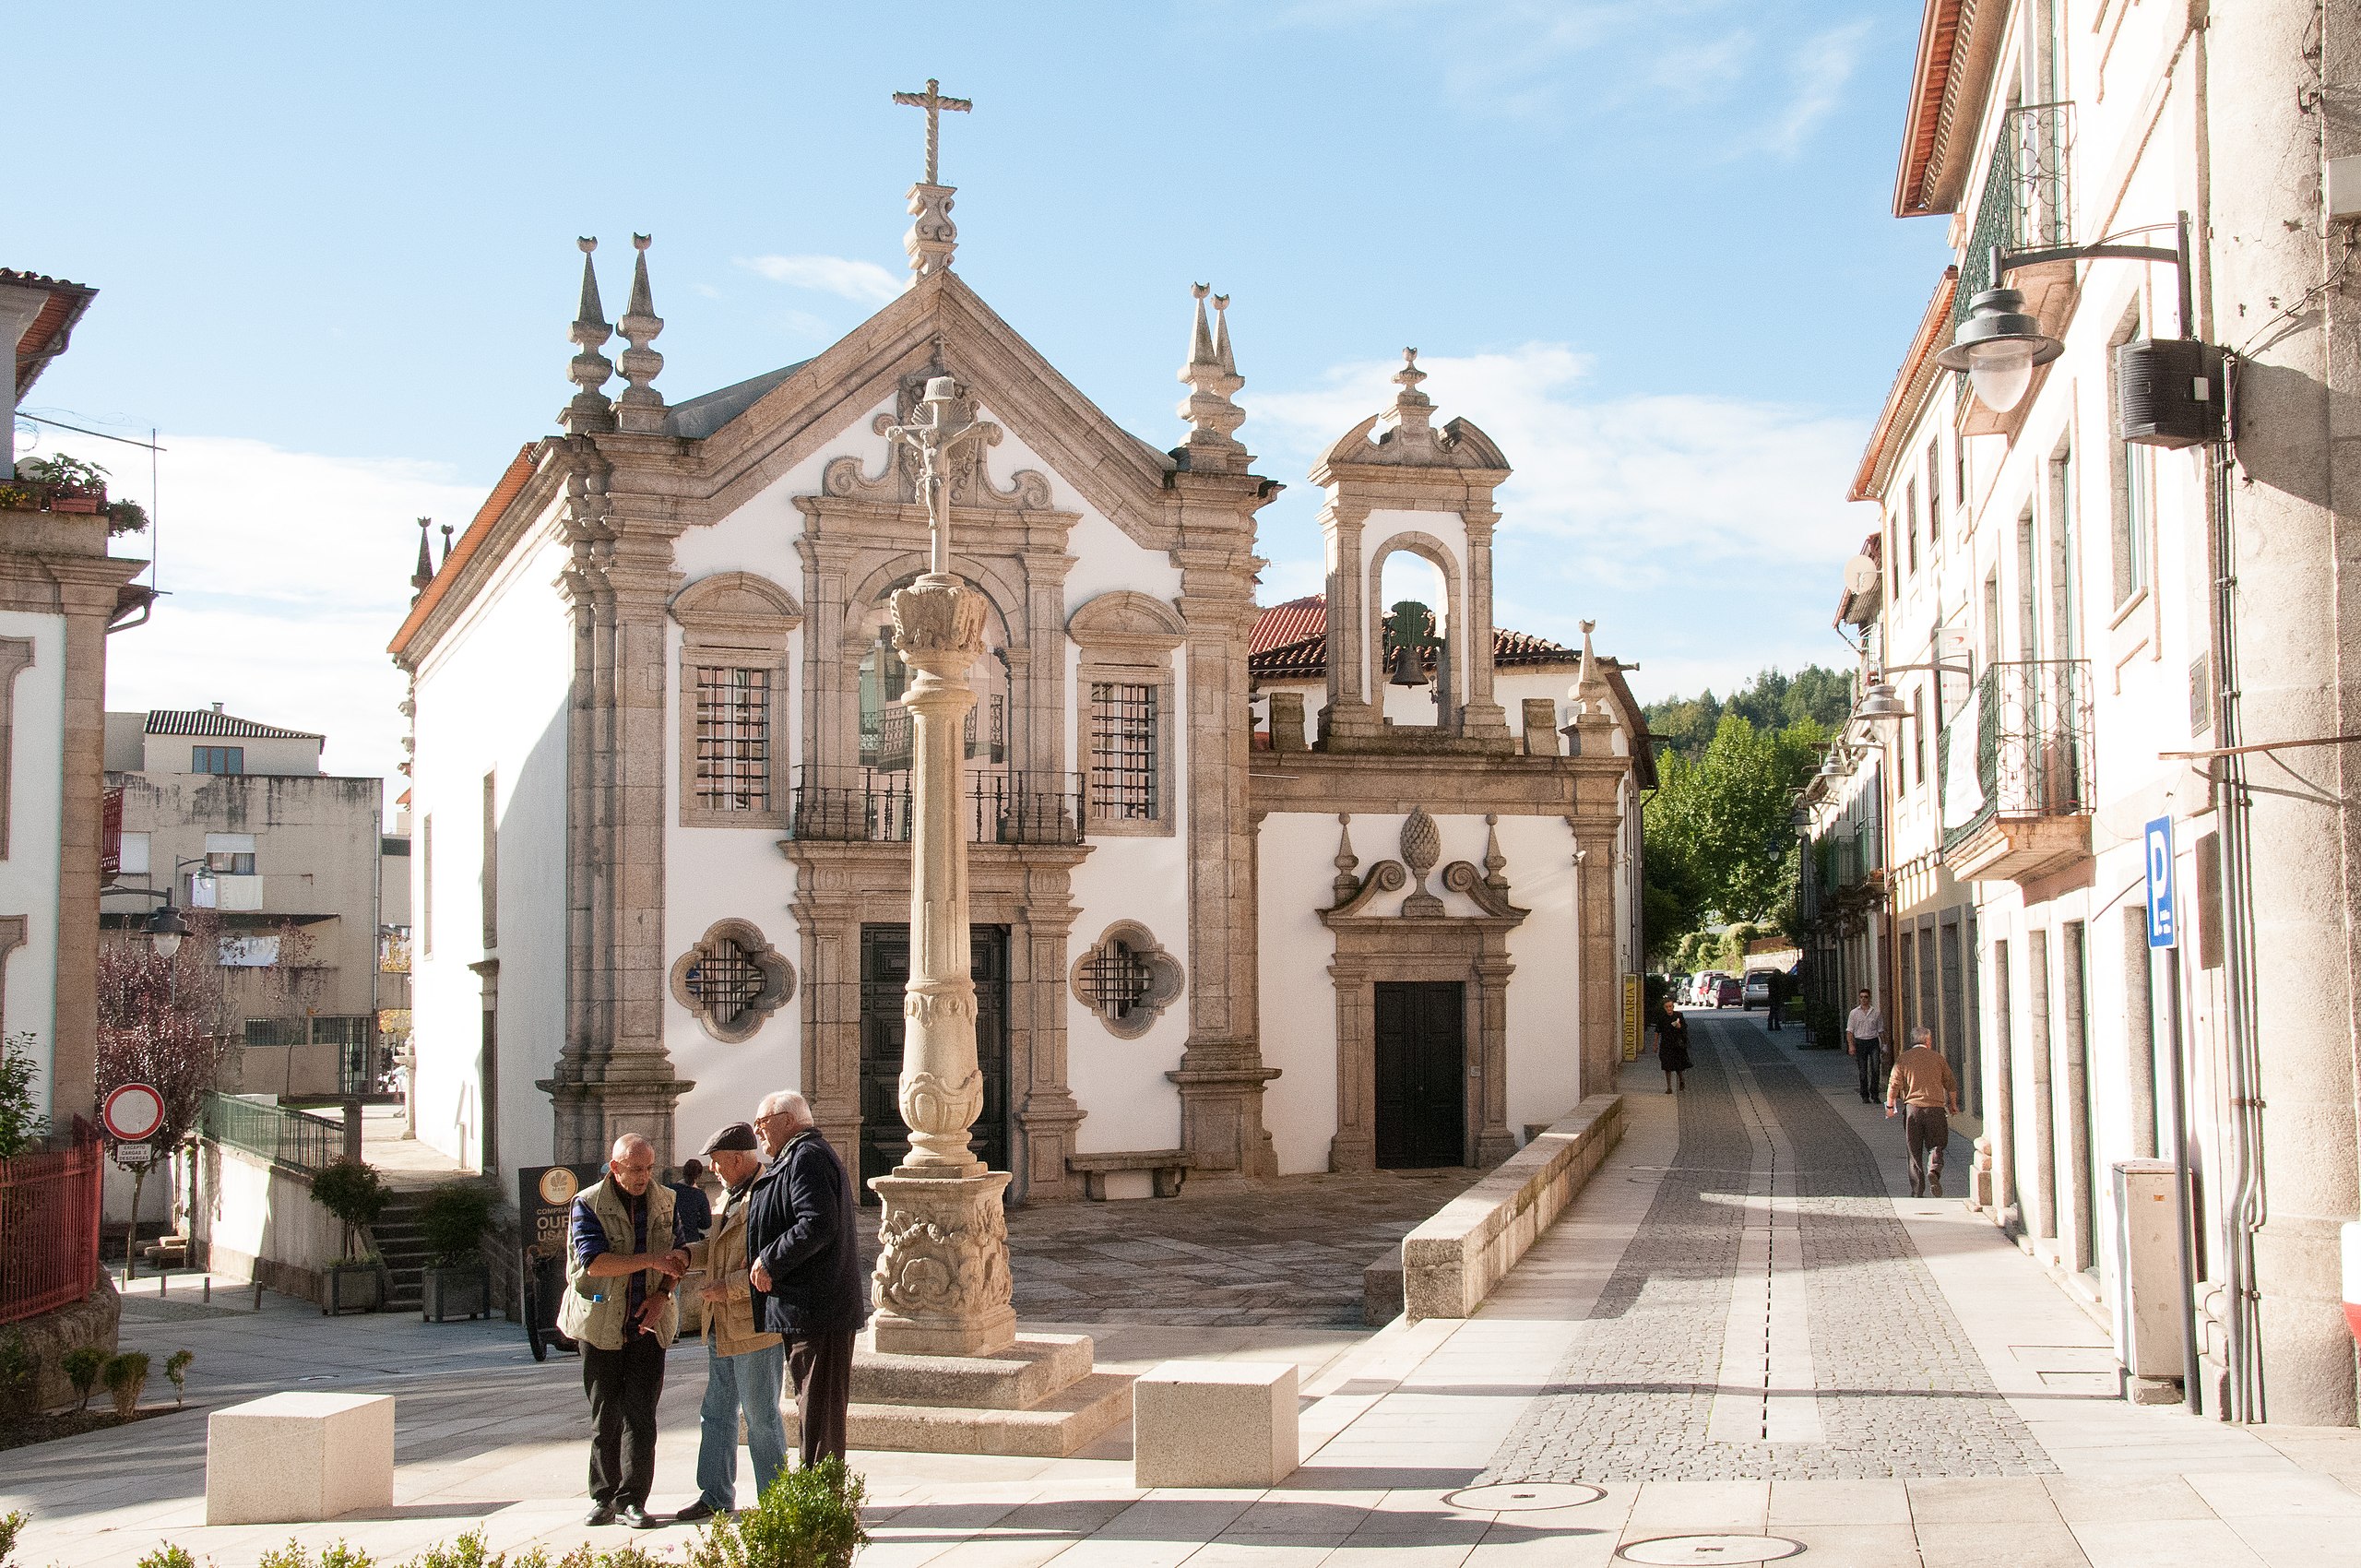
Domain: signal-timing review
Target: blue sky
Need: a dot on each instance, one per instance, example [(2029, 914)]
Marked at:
[(1645, 244)]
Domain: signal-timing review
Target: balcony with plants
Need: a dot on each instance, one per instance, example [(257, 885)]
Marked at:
[(68, 486)]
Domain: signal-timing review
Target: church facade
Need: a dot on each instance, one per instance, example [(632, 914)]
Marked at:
[(1368, 903)]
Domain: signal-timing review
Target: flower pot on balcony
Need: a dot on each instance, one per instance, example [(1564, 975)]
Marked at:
[(355, 1287), (69, 501), (462, 1291)]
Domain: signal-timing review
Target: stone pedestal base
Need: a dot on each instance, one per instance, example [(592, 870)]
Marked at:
[(1036, 1398), (942, 1285)]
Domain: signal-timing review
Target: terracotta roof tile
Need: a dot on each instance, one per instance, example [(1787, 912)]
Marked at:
[(1289, 642), (520, 469), (205, 722), (46, 338)]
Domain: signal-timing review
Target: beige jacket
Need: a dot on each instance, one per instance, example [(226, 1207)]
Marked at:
[(729, 1324), (593, 1309)]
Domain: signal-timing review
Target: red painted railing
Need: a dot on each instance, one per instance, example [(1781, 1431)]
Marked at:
[(49, 1226)]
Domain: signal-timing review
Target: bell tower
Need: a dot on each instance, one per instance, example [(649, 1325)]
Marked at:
[(1396, 483)]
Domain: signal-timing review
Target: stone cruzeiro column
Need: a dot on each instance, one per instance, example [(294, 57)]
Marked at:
[(942, 1285)]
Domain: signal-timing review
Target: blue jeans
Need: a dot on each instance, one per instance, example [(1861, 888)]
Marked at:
[(748, 1383)]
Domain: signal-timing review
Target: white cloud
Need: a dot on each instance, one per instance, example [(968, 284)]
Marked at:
[(284, 574), (1819, 69), (843, 276), (1706, 534)]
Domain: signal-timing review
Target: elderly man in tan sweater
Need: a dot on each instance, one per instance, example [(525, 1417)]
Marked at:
[(744, 1365), (1925, 1091)]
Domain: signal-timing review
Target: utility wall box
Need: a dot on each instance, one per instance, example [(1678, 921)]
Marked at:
[(2148, 1326), (2343, 189), (2168, 391)]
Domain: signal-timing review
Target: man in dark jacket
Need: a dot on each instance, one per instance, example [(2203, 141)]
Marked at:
[(806, 1266)]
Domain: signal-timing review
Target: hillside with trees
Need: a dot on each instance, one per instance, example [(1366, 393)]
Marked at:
[(1720, 849)]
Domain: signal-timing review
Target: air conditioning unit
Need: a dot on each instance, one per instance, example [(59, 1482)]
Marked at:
[(2168, 392)]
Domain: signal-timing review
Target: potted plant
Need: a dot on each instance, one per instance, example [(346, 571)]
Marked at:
[(456, 1283), (73, 485), (354, 1192)]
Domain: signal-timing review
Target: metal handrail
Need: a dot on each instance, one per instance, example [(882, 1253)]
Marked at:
[(2028, 194), (878, 806), (293, 1138)]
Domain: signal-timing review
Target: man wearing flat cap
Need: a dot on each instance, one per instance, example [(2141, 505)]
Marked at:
[(744, 1365)]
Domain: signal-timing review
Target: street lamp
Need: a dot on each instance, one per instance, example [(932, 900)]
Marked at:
[(163, 928), (1879, 703), (2168, 392)]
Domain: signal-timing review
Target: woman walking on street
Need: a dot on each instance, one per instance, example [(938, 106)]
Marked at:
[(1672, 1046)]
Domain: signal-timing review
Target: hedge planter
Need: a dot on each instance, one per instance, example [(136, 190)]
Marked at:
[(463, 1290), (355, 1287)]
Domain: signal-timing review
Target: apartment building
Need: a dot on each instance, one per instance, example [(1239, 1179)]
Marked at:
[(2100, 602)]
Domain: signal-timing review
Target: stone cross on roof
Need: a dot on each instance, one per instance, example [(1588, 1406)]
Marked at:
[(934, 104), (932, 237)]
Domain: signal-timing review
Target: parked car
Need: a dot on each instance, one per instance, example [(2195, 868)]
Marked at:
[(1702, 988), (1729, 992), (1758, 990)]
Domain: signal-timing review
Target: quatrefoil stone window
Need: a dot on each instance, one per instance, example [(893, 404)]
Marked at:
[(732, 980), (1127, 978)]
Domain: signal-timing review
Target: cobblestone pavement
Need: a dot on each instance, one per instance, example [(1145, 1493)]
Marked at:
[(1900, 1391), (1286, 1251)]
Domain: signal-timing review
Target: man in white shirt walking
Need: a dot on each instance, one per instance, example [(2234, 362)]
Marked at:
[(1865, 1043)]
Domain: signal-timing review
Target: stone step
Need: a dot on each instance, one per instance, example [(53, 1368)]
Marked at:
[(1035, 1368), (1062, 1424)]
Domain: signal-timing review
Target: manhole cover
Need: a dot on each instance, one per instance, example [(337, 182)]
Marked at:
[(1527, 1498), (1711, 1549)]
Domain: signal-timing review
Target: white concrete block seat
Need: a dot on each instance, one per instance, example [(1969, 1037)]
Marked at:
[(1165, 1167), (1214, 1424), (298, 1458)]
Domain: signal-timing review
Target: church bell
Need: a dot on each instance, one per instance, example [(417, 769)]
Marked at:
[(1409, 670)]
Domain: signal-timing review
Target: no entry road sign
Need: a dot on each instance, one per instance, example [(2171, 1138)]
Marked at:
[(132, 1113)]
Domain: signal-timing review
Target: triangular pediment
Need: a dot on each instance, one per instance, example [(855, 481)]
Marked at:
[(942, 325)]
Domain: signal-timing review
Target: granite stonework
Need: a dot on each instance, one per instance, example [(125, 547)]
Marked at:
[(1214, 1424), (296, 1458), (1451, 1263), (1035, 1397)]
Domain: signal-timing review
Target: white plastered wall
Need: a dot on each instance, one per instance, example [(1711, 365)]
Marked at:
[(492, 698), (28, 875)]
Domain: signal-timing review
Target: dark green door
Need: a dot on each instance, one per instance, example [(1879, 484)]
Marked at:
[(1421, 1074), (885, 976)]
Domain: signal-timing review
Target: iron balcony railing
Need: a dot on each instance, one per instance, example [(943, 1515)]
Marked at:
[(997, 805), (886, 736), (292, 1138), (2028, 196), (2035, 756)]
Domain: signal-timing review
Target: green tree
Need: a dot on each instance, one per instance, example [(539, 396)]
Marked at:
[(22, 1126), (1719, 845)]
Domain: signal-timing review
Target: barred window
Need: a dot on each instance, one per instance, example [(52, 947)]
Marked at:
[(1122, 750), (733, 739), (724, 981), (1127, 978), (1113, 980)]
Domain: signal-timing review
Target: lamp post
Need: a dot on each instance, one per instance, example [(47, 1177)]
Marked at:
[(2168, 390), (942, 1285), (163, 927)]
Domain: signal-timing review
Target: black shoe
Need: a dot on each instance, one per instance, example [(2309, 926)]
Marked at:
[(634, 1516), (697, 1514), (600, 1514)]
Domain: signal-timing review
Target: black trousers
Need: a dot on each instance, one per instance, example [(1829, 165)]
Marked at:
[(1926, 1129), (1869, 1059), (623, 1386), (820, 1366), (1772, 1007)]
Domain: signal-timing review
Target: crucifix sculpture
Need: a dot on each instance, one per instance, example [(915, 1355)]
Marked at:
[(942, 1285), (932, 237)]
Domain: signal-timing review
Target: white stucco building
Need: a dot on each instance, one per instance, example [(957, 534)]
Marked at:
[(661, 784)]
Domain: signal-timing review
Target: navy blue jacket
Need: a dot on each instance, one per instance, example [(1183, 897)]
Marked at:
[(799, 1226)]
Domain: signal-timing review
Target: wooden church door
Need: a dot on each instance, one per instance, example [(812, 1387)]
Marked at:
[(1421, 1074), (885, 975)]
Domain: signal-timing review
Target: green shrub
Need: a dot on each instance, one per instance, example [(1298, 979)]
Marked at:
[(22, 1126), (171, 1557), (12, 1525), (453, 1220), (176, 1367), (126, 1377), (807, 1518), (82, 1366), (354, 1192), (336, 1554), (20, 1382)]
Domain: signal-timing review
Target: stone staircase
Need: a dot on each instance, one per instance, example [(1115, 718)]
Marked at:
[(403, 1246)]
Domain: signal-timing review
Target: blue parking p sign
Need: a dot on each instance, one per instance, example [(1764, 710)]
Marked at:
[(2164, 915)]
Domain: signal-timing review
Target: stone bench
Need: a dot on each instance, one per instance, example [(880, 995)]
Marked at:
[(1167, 1168), (299, 1458), (1214, 1424)]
